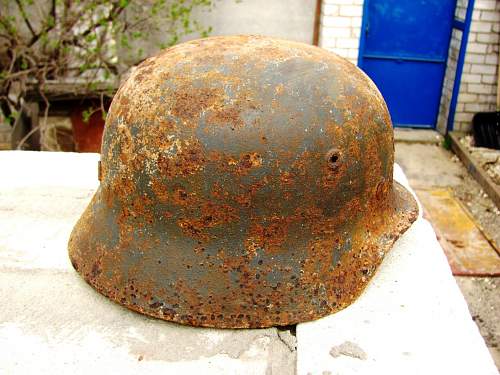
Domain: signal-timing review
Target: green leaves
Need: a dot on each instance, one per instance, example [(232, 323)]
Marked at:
[(86, 115), (85, 40)]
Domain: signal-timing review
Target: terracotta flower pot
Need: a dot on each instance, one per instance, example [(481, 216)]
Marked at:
[(87, 134)]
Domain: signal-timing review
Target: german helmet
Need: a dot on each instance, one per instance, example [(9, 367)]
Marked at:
[(245, 182)]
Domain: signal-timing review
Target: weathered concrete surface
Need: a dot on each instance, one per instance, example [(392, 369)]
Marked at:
[(411, 319), (52, 322), (427, 165), (417, 136), (482, 293)]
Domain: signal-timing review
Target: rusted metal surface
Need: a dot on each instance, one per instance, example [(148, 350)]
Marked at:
[(246, 182), (469, 251)]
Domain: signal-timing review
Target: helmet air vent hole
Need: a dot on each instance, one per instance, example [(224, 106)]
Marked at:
[(333, 158)]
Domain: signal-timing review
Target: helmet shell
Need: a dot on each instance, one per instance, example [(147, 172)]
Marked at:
[(246, 182)]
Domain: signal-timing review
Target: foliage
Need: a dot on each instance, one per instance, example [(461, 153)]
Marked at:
[(79, 41)]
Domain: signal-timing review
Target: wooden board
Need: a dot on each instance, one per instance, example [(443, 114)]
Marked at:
[(468, 251), (475, 169)]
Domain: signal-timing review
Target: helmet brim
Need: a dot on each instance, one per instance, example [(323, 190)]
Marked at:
[(142, 279)]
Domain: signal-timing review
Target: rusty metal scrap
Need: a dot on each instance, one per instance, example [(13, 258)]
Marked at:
[(245, 182)]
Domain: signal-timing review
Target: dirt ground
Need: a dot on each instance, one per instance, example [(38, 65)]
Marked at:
[(430, 165)]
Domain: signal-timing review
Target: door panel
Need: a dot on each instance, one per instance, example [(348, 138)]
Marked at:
[(412, 101), (405, 51)]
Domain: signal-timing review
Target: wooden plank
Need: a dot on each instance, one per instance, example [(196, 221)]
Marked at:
[(475, 169), (70, 90)]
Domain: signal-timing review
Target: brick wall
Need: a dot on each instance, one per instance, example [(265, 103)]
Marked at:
[(340, 31), (478, 86), (341, 27)]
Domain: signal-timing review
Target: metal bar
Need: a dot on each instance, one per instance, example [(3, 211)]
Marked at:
[(460, 66), (317, 23), (404, 58), (363, 33), (459, 25), (413, 126)]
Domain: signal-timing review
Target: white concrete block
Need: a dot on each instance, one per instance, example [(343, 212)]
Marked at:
[(475, 58), (349, 43), (490, 15), (353, 54), (356, 22), (466, 97), (52, 322), (481, 26), (338, 22), (485, 4), (329, 9), (492, 59), (480, 88), (489, 79), (476, 14), (487, 37), (57, 324), (483, 69), (471, 78), (46, 169), (406, 321), (460, 13), (463, 117), (344, 52), (339, 2), (351, 10), (476, 48), (487, 99), (335, 32), (473, 107)]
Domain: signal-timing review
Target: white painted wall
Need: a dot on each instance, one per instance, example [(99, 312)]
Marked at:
[(288, 19)]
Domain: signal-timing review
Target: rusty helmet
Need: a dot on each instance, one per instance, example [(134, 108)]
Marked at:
[(245, 182)]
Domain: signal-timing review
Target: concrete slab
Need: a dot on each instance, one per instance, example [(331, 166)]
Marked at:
[(54, 323), (411, 319), (427, 166), (51, 322), (417, 136)]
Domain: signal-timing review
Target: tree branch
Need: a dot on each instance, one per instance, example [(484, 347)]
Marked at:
[(25, 17), (47, 27)]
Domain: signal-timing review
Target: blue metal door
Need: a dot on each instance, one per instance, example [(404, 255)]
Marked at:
[(404, 48)]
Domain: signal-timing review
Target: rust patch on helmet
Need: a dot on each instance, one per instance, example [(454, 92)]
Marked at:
[(184, 160), (210, 216), (269, 236), (246, 182), (189, 102)]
